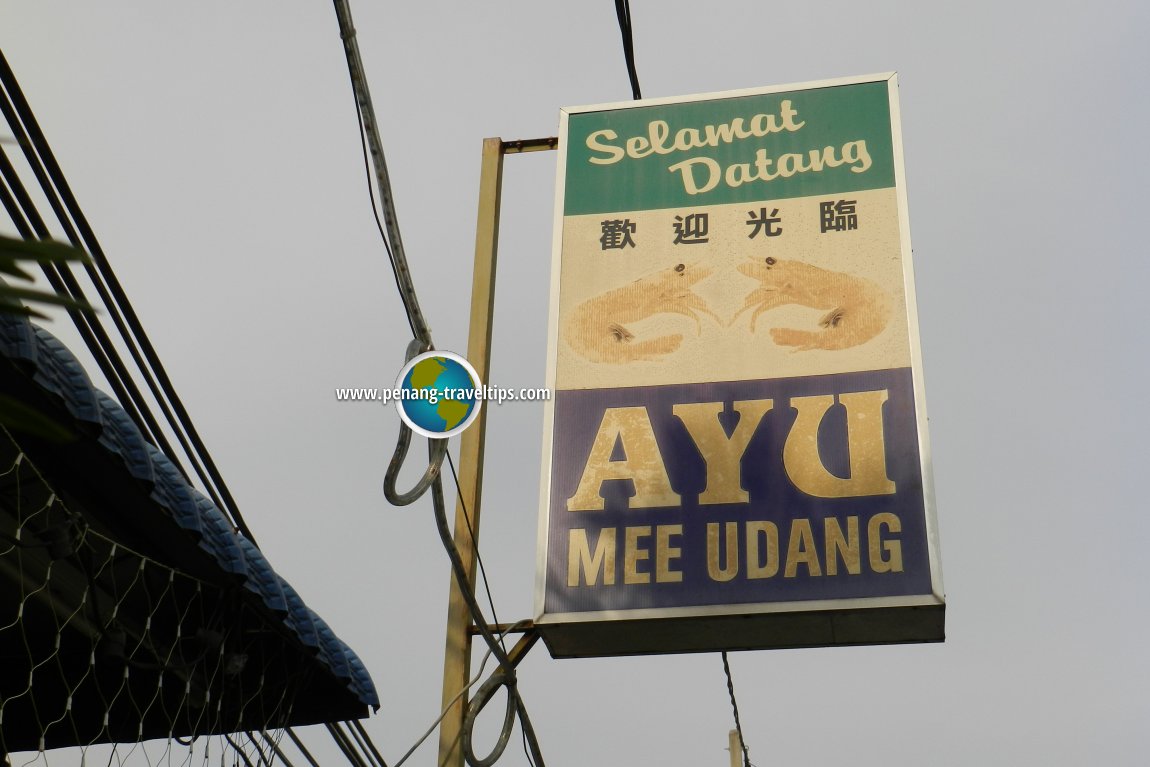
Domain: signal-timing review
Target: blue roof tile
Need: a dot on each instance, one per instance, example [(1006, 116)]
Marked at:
[(58, 371), (121, 437)]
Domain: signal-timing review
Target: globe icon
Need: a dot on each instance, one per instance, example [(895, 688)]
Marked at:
[(440, 397)]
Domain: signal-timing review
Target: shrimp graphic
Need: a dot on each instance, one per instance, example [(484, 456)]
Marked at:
[(596, 328), (856, 308)]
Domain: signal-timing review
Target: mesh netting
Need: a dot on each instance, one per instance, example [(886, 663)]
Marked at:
[(100, 644), (233, 750)]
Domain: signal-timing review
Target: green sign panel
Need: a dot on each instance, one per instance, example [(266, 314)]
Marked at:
[(726, 150)]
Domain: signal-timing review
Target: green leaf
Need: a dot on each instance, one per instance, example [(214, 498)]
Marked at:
[(44, 252), (18, 416), (15, 292), (41, 251), (15, 307), (12, 266)]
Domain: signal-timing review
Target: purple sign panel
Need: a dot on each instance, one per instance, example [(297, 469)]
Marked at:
[(736, 493)]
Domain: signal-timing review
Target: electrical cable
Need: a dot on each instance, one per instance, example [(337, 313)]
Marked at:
[(403, 443), (30, 225), (367, 742), (458, 695), (393, 245), (375, 205), (735, 709), (475, 546), (302, 748), (504, 677), (344, 746), (263, 759), (63, 202), (383, 180), (437, 449), (237, 749), (623, 12), (63, 282), (102, 348), (354, 735), (47, 171), (275, 747)]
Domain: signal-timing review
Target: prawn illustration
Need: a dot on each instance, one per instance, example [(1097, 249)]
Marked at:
[(856, 308), (597, 328)]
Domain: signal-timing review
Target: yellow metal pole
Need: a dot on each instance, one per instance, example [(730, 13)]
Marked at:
[(457, 654)]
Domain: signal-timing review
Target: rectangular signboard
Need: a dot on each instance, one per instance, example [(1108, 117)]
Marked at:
[(735, 454)]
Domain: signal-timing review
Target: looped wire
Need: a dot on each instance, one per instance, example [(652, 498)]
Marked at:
[(499, 678), (437, 448), (437, 451), (504, 676)]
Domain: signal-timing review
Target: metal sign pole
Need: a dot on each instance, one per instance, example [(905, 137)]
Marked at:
[(457, 651)]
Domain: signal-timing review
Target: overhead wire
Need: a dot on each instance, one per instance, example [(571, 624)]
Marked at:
[(235, 747), (366, 741), (623, 12), (302, 748), (275, 747), (474, 544), (353, 736), (393, 242), (262, 757), (375, 206), (46, 169), (735, 710), (431, 479), (474, 681), (504, 677), (344, 743), (31, 225)]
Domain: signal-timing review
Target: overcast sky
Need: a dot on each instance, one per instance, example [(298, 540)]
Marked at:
[(213, 146)]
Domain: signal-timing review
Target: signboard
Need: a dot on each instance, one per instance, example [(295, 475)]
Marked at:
[(735, 454)]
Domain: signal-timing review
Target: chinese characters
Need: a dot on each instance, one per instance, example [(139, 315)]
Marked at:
[(766, 224)]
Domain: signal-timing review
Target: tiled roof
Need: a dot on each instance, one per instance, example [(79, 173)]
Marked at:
[(57, 371)]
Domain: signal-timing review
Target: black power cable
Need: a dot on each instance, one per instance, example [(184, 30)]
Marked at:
[(275, 747), (623, 12), (504, 677), (393, 243), (366, 742), (345, 745), (302, 748), (51, 178), (30, 225), (437, 449), (735, 709), (474, 545)]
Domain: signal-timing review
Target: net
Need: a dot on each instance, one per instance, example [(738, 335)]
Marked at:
[(100, 644)]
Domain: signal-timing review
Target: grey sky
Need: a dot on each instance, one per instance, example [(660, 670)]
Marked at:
[(213, 146)]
